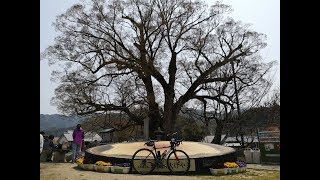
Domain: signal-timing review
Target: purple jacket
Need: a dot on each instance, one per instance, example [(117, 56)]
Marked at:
[(78, 136)]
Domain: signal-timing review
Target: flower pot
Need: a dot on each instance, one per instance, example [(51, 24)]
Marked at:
[(233, 170), (120, 170), (88, 167), (104, 169), (222, 171), (80, 165)]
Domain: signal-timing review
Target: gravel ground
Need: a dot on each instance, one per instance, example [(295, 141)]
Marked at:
[(264, 167), (68, 171)]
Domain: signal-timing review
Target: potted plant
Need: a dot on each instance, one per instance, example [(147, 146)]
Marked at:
[(242, 166), (122, 168), (232, 167), (218, 169), (101, 166)]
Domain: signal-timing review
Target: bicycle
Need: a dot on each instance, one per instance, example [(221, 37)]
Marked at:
[(144, 160)]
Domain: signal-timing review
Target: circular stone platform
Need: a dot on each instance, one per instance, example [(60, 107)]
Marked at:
[(202, 155)]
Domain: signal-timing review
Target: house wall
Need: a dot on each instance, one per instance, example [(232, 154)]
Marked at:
[(106, 137), (65, 144), (62, 139)]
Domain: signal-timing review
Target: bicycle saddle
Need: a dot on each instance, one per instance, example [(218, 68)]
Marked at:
[(150, 142)]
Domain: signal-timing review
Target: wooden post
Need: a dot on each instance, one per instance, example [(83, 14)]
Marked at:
[(146, 129)]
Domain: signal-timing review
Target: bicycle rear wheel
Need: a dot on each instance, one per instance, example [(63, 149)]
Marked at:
[(143, 161), (178, 162)]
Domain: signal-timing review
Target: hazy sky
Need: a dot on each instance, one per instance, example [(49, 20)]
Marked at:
[(264, 15)]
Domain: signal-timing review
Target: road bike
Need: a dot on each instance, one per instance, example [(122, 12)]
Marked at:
[(145, 160)]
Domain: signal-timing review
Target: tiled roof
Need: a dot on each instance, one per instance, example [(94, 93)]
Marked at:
[(106, 130)]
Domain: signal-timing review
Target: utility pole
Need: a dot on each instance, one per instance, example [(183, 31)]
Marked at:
[(146, 129), (238, 106)]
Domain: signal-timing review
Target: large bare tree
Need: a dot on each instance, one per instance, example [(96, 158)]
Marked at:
[(244, 90), (150, 48)]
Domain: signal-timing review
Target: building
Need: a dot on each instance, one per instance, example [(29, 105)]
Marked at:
[(106, 135), (66, 137), (269, 138), (232, 141), (89, 137), (55, 140)]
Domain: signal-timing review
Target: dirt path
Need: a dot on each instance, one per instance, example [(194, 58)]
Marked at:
[(68, 171)]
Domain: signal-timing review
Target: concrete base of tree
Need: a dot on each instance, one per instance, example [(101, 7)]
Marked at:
[(204, 154)]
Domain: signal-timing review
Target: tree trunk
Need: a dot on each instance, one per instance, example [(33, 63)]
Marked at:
[(153, 114), (218, 133), (242, 141), (238, 105), (168, 114), (154, 119)]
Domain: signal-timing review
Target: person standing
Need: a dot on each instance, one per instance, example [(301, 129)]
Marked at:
[(41, 143), (78, 138), (48, 148)]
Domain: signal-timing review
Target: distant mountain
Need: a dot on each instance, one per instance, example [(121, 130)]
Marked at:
[(55, 122), (58, 132)]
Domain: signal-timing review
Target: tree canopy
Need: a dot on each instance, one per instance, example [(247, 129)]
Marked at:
[(154, 56)]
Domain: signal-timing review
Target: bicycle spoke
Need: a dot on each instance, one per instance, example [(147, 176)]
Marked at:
[(143, 161), (178, 162)]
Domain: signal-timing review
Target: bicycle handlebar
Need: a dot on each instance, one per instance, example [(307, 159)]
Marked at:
[(178, 142), (172, 134)]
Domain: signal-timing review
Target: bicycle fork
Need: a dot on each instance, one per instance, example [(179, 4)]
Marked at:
[(159, 163)]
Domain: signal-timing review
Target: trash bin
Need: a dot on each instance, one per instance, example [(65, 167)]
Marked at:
[(248, 155), (256, 155)]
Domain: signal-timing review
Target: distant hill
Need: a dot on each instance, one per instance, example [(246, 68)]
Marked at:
[(254, 117), (55, 122), (58, 132)]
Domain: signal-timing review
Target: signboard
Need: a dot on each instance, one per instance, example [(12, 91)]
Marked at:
[(270, 134), (269, 144), (173, 164), (270, 152)]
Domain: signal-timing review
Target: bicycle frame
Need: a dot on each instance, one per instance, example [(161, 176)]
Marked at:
[(171, 155), (155, 151), (172, 148)]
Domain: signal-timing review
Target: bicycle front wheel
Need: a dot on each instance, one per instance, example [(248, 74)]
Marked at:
[(143, 161), (178, 162)]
